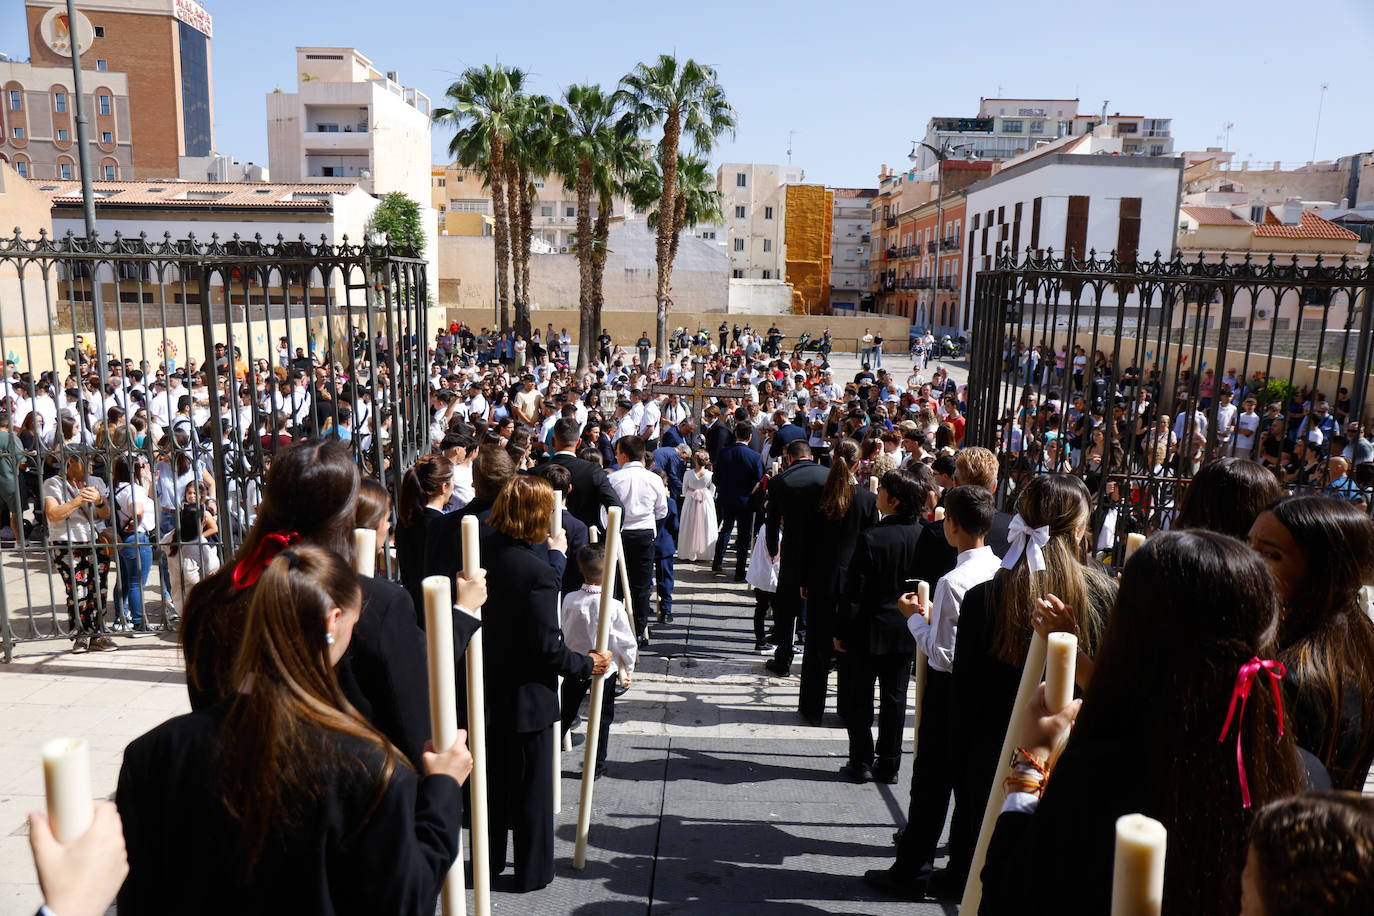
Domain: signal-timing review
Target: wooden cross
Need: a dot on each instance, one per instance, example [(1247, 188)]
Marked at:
[(698, 391)]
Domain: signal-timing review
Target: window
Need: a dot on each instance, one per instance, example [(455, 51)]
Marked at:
[(104, 101), (109, 173), (767, 212), (64, 170), (100, 31), (570, 211), (767, 244), (740, 179), (1257, 214), (102, 64), (326, 128), (22, 168), (739, 244), (1011, 127), (16, 100), (546, 212), (734, 274), (59, 102), (1037, 127), (440, 182), (19, 133), (62, 135), (739, 213), (1156, 149), (106, 136), (767, 275)]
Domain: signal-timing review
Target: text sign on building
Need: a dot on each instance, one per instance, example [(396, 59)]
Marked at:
[(194, 15), (57, 31), (1031, 112)]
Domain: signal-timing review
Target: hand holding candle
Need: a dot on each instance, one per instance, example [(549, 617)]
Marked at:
[(1060, 655), (443, 708), (365, 551), (477, 730), (1138, 870), (67, 780), (873, 484)]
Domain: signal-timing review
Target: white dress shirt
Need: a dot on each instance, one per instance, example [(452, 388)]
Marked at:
[(643, 495), (626, 426), (580, 613), (936, 637)]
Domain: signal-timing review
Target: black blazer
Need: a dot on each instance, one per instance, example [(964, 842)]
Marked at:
[(718, 437), (999, 536), (577, 539), (523, 645), (788, 433), (832, 546), (415, 546), (738, 470), (591, 489), (878, 575), (384, 672), (794, 499), (358, 849)]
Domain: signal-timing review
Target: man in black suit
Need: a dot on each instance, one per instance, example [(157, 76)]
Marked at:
[(591, 490), (756, 438), (794, 498), (716, 431), (738, 470), (787, 433)]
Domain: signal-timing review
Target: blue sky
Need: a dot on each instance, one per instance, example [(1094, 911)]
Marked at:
[(856, 82)]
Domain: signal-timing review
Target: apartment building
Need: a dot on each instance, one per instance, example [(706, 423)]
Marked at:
[(754, 203), (850, 236)]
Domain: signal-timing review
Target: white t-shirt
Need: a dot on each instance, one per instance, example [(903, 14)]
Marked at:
[(126, 495), (1226, 418), (1247, 425)]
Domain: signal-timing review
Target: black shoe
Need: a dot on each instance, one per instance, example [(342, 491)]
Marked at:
[(778, 668), (809, 718), (717, 569), (885, 771), (665, 619), (941, 885), (644, 642), (578, 739), (890, 882), (855, 772), (620, 689), (765, 647), (739, 578), (576, 721)]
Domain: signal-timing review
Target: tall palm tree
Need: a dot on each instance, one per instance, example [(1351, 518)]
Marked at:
[(481, 112), (696, 200), (589, 134), (530, 154), (689, 102)]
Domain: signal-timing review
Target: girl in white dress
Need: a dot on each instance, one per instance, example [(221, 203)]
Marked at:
[(697, 534)]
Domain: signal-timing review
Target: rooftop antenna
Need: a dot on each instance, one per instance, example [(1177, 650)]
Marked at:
[(790, 135), (1316, 131), (1227, 127)]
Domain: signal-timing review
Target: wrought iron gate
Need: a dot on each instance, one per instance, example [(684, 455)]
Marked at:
[(263, 340), (1150, 346)]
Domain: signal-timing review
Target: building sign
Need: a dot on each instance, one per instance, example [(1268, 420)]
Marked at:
[(1031, 112), (194, 15), (57, 30)]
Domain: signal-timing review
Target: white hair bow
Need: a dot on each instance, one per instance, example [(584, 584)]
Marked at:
[(1027, 540)]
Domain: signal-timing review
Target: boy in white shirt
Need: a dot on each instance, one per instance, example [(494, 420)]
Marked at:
[(580, 614), (1247, 425)]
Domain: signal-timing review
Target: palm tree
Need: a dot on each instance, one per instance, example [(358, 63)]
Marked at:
[(530, 154), (689, 101), (481, 113), (696, 200), (589, 135)]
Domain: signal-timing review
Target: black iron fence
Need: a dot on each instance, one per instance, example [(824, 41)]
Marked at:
[(1134, 373), (213, 356)]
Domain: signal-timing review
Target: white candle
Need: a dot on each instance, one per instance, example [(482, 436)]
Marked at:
[(1138, 871), (67, 779), (593, 535), (939, 514), (603, 638), (365, 551), (477, 734), (443, 708), (556, 524), (923, 597), (1030, 679), (873, 485), (1061, 656), (1134, 541), (558, 759)]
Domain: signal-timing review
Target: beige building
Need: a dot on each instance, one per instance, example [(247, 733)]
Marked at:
[(23, 305), (850, 236), (38, 119), (754, 204)]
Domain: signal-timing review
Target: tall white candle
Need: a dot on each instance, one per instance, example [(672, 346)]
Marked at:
[(873, 484), (922, 663), (603, 639), (558, 759), (67, 779), (365, 551), (477, 734), (1138, 870), (1061, 658), (939, 514), (1134, 541), (443, 708), (556, 524)]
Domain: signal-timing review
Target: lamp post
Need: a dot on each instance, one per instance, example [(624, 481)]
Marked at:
[(941, 154)]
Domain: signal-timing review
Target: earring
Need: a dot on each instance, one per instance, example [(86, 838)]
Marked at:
[(329, 639)]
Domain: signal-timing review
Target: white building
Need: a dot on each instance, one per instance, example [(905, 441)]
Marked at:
[(1080, 194), (754, 206), (849, 243)]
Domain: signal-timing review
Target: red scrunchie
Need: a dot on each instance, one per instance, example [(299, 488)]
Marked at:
[(247, 571)]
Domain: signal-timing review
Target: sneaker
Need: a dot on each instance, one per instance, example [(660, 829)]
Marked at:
[(140, 629), (765, 648), (102, 644), (80, 644)]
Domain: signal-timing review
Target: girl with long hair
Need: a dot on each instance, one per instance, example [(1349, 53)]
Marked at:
[(698, 531), (1169, 677), (1227, 495), (289, 798), (1321, 551), (425, 489)]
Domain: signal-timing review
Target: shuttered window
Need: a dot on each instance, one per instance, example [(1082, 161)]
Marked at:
[(1076, 227)]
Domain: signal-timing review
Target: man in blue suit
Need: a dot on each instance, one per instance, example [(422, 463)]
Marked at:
[(677, 435), (738, 469), (669, 460), (787, 433)]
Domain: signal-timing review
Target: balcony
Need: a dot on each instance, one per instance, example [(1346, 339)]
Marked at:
[(920, 283), (930, 247), (950, 243), (890, 254), (948, 283), (890, 222), (328, 141), (864, 238)]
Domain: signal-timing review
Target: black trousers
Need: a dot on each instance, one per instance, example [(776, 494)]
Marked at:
[(639, 561), (891, 673), (932, 776), (520, 793), (817, 654), (740, 519), (788, 606), (571, 698), (762, 601)]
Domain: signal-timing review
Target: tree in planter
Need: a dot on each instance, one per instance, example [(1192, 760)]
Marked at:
[(686, 98), (399, 217)]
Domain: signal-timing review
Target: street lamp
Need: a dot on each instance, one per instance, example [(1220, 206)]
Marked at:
[(941, 154)]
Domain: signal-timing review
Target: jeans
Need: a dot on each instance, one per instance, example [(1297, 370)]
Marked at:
[(877, 357), (166, 521), (135, 559)]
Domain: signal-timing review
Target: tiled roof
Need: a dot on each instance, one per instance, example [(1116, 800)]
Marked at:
[(1311, 227), (856, 192), (1214, 216), (266, 195)]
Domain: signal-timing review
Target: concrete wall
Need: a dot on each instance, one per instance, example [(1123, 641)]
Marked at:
[(26, 209), (760, 297)]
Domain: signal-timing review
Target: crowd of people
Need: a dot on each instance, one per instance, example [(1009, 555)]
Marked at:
[(840, 496)]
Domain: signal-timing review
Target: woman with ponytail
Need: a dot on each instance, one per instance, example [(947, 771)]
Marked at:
[(284, 798), (847, 508)]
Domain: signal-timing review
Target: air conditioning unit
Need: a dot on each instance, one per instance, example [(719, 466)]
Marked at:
[(1261, 313)]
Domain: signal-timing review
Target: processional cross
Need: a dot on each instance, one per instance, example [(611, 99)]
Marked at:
[(698, 391)]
